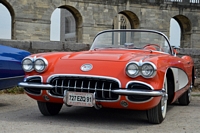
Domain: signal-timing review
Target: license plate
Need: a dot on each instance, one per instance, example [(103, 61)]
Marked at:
[(80, 99)]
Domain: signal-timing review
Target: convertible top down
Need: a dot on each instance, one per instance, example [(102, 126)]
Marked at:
[(134, 69)]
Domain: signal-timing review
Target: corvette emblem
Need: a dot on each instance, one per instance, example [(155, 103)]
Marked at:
[(86, 67)]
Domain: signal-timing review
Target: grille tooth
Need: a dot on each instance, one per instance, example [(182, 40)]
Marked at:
[(96, 87), (68, 84), (82, 86), (75, 85), (110, 90), (62, 86), (89, 87), (56, 85), (103, 90), (101, 87)]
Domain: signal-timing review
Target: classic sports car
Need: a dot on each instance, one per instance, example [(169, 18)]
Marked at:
[(11, 72), (127, 69)]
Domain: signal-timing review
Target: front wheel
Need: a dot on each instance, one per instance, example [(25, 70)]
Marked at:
[(48, 108), (157, 114)]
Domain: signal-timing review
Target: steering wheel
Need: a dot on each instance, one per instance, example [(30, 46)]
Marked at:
[(153, 48)]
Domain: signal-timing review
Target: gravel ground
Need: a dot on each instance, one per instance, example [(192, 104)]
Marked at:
[(20, 114)]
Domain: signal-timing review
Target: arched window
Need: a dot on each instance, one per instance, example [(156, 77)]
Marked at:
[(123, 22), (63, 26), (69, 26), (175, 33), (5, 23), (55, 25)]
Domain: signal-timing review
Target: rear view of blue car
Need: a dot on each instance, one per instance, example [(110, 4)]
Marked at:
[(11, 72)]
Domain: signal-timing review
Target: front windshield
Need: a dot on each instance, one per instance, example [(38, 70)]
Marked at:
[(132, 39)]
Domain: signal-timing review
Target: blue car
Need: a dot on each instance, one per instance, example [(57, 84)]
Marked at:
[(11, 72)]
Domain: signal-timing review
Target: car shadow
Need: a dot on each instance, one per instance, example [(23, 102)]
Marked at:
[(3, 104), (105, 116)]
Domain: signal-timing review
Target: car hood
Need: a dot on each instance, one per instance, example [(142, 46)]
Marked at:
[(110, 55)]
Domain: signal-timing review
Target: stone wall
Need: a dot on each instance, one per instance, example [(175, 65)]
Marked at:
[(31, 19), (44, 46), (41, 46)]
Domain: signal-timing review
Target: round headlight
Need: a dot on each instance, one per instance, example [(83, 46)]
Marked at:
[(132, 70), (40, 64), (148, 70), (27, 65)]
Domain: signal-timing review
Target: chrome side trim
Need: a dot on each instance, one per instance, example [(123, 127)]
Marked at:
[(22, 76)]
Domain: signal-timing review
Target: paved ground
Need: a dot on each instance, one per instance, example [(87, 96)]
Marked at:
[(19, 114)]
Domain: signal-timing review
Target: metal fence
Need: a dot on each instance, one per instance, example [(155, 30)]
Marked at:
[(186, 2)]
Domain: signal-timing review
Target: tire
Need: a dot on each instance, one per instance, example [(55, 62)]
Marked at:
[(157, 114), (48, 108), (185, 98)]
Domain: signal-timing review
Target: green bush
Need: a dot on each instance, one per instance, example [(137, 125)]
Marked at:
[(14, 90)]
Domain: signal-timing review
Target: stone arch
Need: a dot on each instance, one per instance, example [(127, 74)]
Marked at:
[(12, 14), (78, 20), (185, 25), (132, 21)]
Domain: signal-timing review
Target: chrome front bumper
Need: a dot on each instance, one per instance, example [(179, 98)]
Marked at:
[(152, 93)]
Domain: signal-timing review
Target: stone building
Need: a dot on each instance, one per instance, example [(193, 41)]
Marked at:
[(81, 20), (31, 19)]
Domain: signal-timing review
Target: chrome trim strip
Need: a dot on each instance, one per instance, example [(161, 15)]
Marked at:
[(22, 76), (35, 85), (109, 100), (139, 92)]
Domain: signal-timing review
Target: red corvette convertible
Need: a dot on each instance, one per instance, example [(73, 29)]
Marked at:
[(132, 69)]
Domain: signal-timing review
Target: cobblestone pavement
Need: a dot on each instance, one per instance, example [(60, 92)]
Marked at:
[(20, 114)]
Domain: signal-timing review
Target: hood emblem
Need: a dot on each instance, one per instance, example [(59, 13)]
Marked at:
[(86, 67)]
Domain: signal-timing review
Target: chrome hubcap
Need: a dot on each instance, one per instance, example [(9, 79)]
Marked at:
[(164, 104)]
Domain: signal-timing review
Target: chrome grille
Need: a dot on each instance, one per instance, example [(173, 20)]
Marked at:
[(101, 86)]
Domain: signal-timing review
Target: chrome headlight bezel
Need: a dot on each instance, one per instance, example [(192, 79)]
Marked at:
[(40, 64), (144, 69), (148, 70), (28, 62), (132, 69)]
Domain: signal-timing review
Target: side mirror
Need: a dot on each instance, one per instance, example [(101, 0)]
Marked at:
[(175, 49)]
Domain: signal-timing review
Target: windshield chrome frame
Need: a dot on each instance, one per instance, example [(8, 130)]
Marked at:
[(136, 30)]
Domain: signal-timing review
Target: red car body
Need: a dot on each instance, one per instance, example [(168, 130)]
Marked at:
[(112, 74)]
